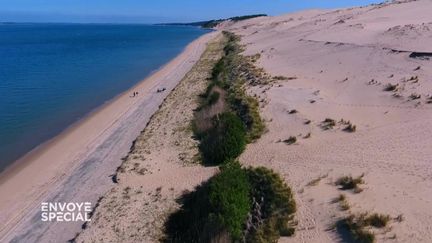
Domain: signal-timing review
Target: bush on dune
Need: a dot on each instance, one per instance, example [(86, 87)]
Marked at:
[(219, 71), (229, 196), (276, 203), (226, 140), (252, 205), (247, 109), (217, 208)]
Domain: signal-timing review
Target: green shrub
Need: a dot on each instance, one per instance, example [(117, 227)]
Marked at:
[(216, 207), (209, 88), (229, 198), (276, 204), (226, 207), (230, 48), (231, 36), (226, 140), (218, 69), (247, 110)]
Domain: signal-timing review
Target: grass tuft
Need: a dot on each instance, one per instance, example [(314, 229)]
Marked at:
[(357, 226), (290, 140), (414, 96), (328, 123), (356, 230), (399, 218), (343, 202), (280, 77), (307, 136), (314, 182), (391, 87), (350, 128), (377, 220), (344, 205), (349, 183)]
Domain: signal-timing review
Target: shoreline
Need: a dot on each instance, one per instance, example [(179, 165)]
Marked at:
[(27, 157), (25, 183), (162, 164)]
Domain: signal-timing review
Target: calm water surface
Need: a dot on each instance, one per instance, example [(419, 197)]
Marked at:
[(51, 75)]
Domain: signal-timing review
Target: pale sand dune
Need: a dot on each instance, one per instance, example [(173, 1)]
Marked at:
[(344, 66), (76, 166)]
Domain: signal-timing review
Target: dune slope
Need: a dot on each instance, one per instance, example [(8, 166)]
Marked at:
[(371, 66)]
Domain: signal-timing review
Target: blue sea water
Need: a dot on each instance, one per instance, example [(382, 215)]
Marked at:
[(51, 75)]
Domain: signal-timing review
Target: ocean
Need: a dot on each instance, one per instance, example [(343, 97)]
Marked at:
[(51, 75)]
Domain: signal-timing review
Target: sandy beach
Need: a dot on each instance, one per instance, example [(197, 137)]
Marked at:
[(77, 164), (163, 163)]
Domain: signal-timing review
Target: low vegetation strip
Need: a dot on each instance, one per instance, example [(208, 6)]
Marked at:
[(227, 117), (225, 140), (237, 204)]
